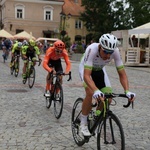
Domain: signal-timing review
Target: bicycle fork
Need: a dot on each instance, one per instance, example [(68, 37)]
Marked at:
[(106, 119)]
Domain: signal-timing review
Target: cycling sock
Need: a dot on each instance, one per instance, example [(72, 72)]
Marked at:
[(84, 119)]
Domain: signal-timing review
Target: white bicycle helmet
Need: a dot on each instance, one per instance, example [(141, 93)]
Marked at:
[(108, 42), (19, 44)]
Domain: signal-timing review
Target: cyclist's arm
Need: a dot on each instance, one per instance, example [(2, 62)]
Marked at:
[(121, 71), (123, 79), (67, 60), (46, 60), (37, 50)]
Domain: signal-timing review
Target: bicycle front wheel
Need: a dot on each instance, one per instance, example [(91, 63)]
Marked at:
[(110, 134), (58, 100), (12, 70), (31, 78), (48, 102), (16, 65), (75, 122)]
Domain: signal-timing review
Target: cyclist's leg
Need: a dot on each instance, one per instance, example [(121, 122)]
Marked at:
[(86, 107), (103, 84), (24, 68), (12, 58), (4, 51), (7, 53), (58, 68), (48, 81), (34, 59)]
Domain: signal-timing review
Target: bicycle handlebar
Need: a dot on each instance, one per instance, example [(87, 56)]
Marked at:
[(113, 95), (29, 59), (62, 73)]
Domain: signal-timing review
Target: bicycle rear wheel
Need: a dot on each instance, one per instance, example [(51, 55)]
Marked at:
[(111, 135), (58, 100), (75, 122), (31, 78)]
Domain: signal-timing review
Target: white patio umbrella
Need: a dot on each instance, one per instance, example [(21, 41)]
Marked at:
[(4, 33)]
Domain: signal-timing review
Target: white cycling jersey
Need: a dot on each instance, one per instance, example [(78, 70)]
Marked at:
[(91, 60)]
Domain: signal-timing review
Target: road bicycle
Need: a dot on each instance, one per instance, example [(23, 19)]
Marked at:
[(106, 127), (30, 72), (56, 93), (15, 66)]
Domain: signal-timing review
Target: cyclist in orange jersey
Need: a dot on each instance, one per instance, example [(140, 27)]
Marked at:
[(52, 62)]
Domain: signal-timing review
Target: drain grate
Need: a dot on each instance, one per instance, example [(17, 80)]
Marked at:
[(17, 90)]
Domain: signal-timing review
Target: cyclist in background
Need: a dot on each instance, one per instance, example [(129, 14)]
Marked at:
[(6, 46), (53, 60), (25, 43), (92, 72), (16, 50), (30, 51)]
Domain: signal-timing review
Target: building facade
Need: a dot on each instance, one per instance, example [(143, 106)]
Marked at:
[(41, 18), (70, 21)]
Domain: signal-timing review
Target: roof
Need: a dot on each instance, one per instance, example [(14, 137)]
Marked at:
[(142, 31), (70, 7)]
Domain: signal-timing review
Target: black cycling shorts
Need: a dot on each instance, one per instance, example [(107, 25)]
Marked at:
[(56, 64)]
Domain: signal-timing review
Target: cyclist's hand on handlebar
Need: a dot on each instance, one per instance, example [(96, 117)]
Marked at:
[(98, 95), (131, 96)]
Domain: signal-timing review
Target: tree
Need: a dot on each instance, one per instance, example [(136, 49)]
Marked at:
[(103, 16), (140, 11), (97, 16)]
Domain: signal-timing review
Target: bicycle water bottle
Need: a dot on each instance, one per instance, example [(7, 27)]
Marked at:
[(97, 113)]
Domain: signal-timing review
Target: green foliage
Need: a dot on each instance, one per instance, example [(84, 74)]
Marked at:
[(140, 10), (66, 39), (80, 49), (104, 16)]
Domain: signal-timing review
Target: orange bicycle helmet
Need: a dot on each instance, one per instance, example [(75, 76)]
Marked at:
[(59, 45)]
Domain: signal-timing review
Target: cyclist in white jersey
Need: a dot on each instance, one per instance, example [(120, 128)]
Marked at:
[(93, 74)]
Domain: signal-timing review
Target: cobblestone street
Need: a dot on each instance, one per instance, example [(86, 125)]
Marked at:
[(26, 123)]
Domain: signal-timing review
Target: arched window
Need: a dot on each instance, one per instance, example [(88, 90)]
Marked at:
[(19, 11), (48, 13)]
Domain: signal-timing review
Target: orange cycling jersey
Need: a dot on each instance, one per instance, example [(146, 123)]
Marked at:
[(51, 55)]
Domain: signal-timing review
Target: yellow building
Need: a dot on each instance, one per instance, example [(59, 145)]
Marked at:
[(70, 20), (43, 18), (39, 17)]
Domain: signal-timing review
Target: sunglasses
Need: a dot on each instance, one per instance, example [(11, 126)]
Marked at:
[(58, 51), (106, 51)]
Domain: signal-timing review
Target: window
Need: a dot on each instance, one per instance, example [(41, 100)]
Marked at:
[(19, 11), (78, 24), (48, 13)]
